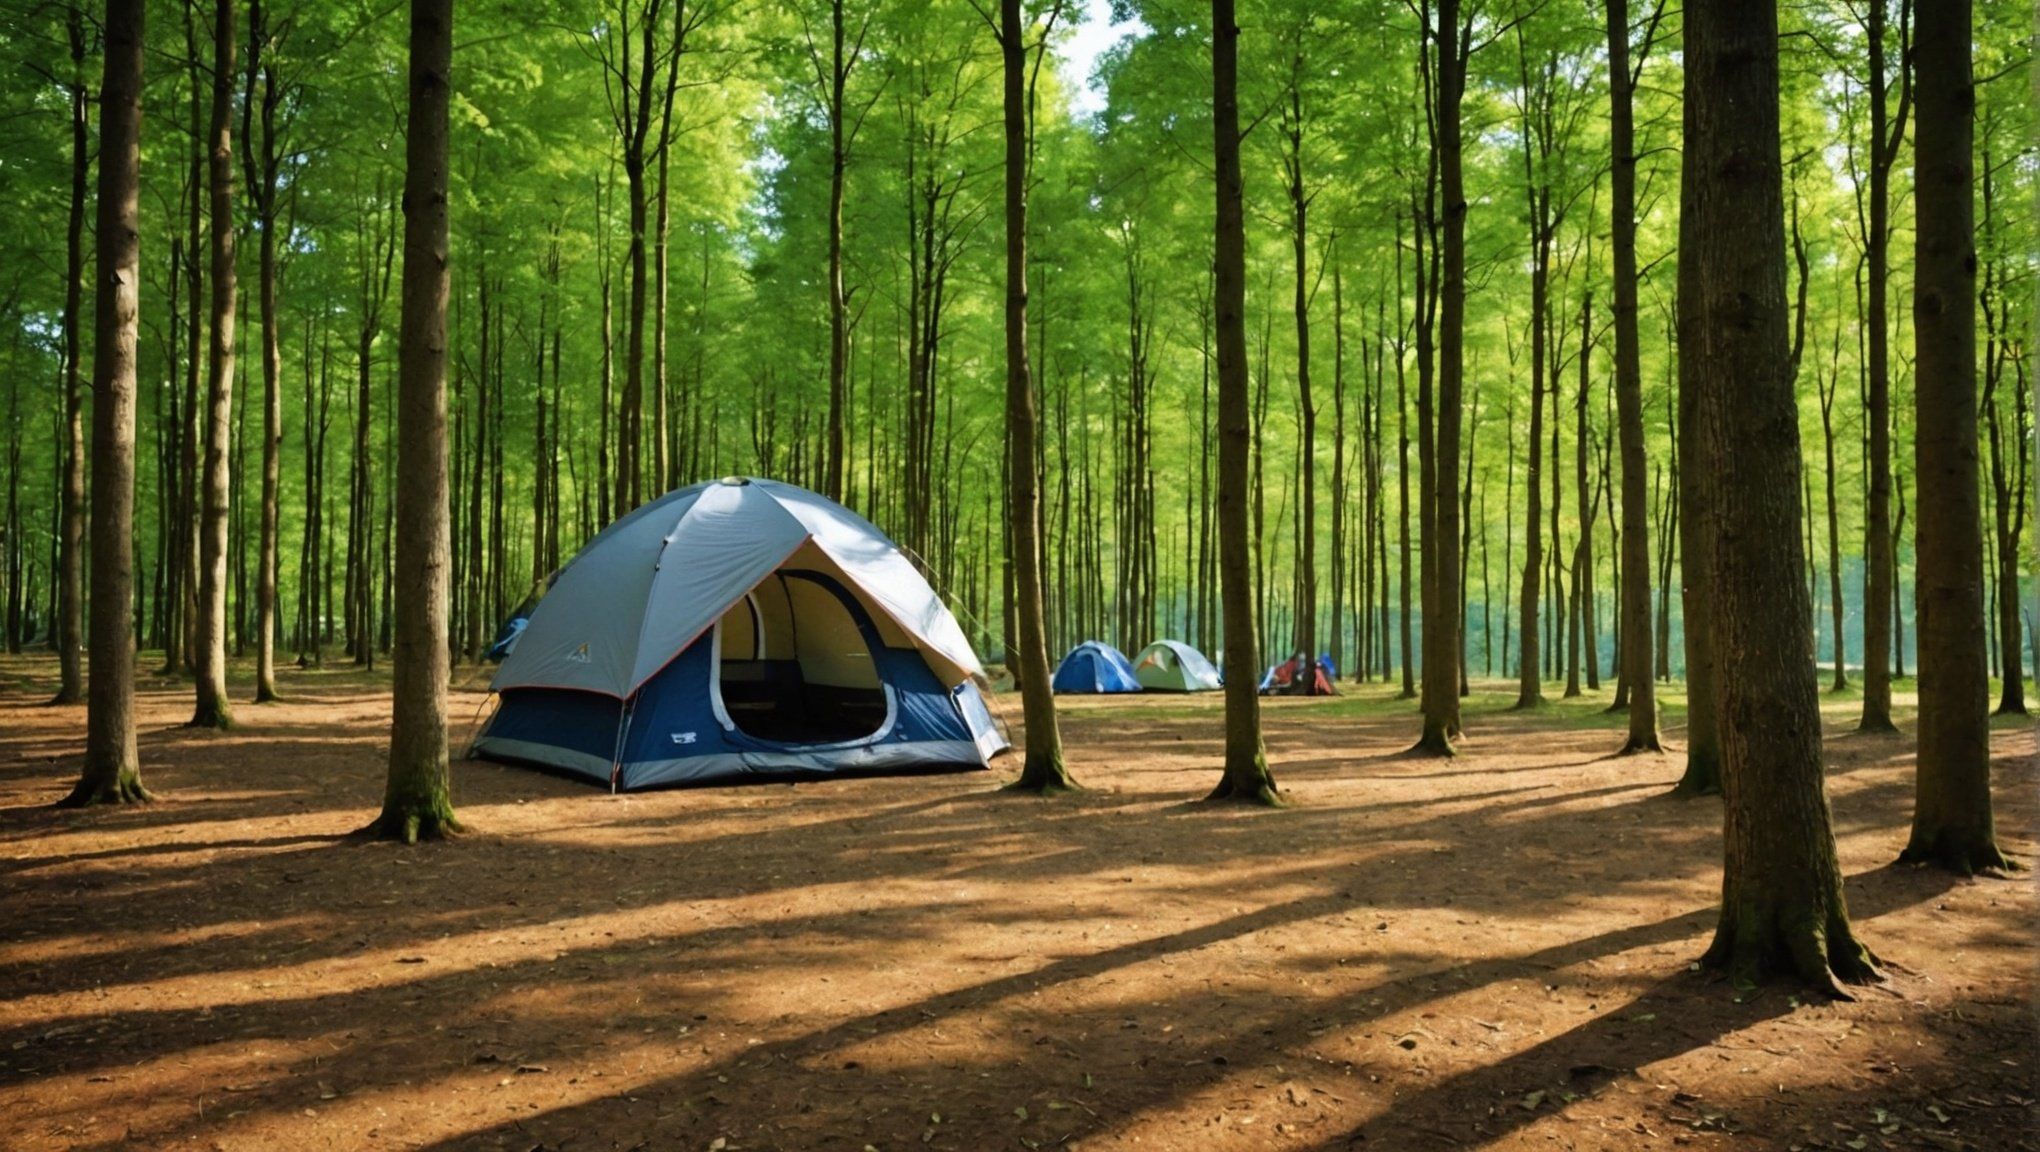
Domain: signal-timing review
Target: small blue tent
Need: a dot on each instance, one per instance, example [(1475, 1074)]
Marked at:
[(739, 629), (1094, 666)]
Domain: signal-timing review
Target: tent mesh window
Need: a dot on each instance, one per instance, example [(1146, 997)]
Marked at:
[(796, 667)]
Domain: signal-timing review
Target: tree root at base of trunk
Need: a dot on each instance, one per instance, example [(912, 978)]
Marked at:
[(409, 824), (1043, 776), (1254, 788), (1958, 851), (1700, 779), (1639, 745), (127, 789), (1763, 938), (215, 718), (1434, 742), (63, 697)]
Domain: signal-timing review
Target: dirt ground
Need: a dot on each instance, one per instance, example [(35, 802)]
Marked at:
[(1491, 952)]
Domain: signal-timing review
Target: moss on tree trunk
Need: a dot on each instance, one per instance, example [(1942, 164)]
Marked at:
[(122, 786)]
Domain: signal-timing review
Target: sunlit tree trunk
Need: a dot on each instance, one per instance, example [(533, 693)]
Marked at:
[(416, 802), (213, 710), (262, 172)]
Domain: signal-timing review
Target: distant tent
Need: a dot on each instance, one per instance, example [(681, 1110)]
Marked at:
[(739, 629), (1173, 666), (506, 638), (1094, 666), (520, 617), (1299, 676)]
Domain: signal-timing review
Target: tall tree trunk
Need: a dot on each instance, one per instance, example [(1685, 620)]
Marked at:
[(1827, 386), (1441, 621), (1339, 566), (213, 710), (192, 430), (1782, 908), (71, 530), (1537, 145), (262, 171), (1406, 637), (1635, 578), (1246, 777), (1043, 770), (1305, 612), (416, 800), (1887, 131), (839, 74), (112, 771), (1952, 823), (1585, 635)]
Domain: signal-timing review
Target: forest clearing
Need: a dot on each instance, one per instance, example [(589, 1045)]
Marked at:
[(1489, 953), (1176, 574)]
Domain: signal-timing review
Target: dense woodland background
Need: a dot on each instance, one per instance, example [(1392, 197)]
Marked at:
[(643, 203)]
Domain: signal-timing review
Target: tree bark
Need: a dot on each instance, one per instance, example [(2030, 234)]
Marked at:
[(112, 771), (1635, 579), (262, 172), (1305, 610), (1782, 908), (1887, 131), (1246, 777), (71, 528), (1952, 822), (416, 800), (839, 74), (1042, 771), (1440, 698), (213, 710)]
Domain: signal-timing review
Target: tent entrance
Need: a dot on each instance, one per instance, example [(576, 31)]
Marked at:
[(794, 664)]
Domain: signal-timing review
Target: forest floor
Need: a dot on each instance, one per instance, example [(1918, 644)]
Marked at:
[(1491, 952)]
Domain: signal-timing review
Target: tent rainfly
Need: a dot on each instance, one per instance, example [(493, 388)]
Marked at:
[(733, 630), (1092, 667), (1173, 666)]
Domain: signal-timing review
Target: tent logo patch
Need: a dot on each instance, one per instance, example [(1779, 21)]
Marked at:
[(683, 737), (580, 655)]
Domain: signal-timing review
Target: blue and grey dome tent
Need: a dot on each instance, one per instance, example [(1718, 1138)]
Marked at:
[(739, 629), (1094, 666)]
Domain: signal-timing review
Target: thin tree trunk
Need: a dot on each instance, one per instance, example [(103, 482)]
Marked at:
[(1043, 770), (1305, 614), (1887, 131), (839, 74), (262, 172), (213, 710), (71, 530), (1246, 776), (1635, 568), (1782, 908)]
